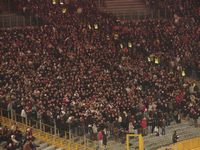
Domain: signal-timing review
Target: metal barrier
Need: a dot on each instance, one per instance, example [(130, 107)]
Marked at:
[(46, 132), (191, 144), (187, 144), (140, 141)]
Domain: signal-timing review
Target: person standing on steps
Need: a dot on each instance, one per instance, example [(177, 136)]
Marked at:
[(104, 138), (163, 124), (100, 139), (175, 137)]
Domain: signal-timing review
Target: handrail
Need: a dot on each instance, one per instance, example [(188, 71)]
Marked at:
[(47, 135), (188, 144), (184, 144)]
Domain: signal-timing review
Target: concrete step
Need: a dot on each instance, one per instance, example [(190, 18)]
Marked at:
[(124, 2), (52, 147), (125, 7), (128, 13), (127, 10), (59, 149), (120, 5), (43, 146), (38, 142)]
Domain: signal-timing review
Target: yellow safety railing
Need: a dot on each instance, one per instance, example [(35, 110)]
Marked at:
[(188, 144), (45, 132), (191, 144), (140, 143)]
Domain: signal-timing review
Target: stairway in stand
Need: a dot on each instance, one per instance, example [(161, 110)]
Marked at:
[(125, 8)]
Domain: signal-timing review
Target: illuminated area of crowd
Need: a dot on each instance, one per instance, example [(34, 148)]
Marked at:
[(87, 69)]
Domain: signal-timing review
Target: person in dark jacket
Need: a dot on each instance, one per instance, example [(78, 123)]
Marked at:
[(27, 146), (163, 124), (175, 137), (104, 138)]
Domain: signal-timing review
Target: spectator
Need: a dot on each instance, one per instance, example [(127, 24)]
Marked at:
[(94, 130), (156, 131), (100, 140), (24, 116), (175, 137), (163, 126), (27, 146), (109, 72), (144, 126), (105, 138)]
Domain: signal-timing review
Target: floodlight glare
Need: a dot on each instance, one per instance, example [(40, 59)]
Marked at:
[(96, 26), (53, 2), (183, 73), (121, 46), (89, 26), (61, 2), (157, 61), (130, 45), (64, 10)]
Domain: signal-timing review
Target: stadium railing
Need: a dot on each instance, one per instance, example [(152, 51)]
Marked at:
[(46, 132), (188, 144), (191, 144)]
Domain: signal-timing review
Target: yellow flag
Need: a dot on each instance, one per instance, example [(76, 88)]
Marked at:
[(54, 2)]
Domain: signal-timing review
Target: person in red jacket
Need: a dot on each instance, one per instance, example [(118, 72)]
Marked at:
[(143, 124), (100, 139)]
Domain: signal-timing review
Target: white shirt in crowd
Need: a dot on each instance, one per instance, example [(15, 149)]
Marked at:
[(23, 113)]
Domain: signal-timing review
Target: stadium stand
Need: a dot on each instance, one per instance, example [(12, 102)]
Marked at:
[(84, 70)]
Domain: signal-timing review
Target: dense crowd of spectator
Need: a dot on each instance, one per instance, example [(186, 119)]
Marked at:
[(12, 138), (86, 69)]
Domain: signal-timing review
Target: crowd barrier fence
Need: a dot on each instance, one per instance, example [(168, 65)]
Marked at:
[(46, 132)]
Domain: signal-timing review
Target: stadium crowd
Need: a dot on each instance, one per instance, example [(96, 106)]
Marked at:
[(88, 70)]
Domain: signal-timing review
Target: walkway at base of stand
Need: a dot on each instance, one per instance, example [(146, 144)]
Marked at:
[(151, 142)]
